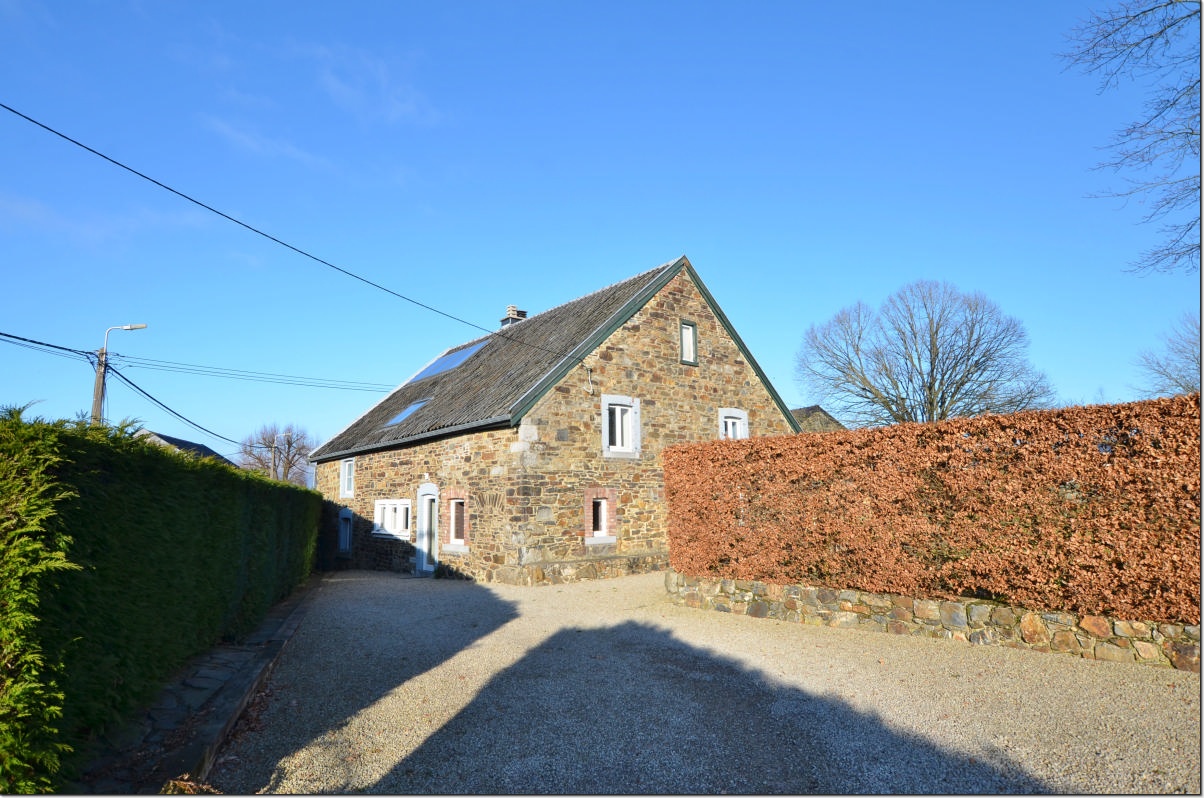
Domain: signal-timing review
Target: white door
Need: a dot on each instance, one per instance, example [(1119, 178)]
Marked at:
[(426, 542)]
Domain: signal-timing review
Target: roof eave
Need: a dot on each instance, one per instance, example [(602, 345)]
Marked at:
[(423, 437)]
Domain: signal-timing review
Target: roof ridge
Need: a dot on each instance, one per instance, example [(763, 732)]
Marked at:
[(610, 287), (554, 338), (501, 332)]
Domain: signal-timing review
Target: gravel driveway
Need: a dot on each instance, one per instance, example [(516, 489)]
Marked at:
[(394, 684)]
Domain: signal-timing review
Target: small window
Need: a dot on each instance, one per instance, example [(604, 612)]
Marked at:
[(689, 343), (459, 524), (601, 516), (456, 521), (598, 517), (733, 423), (620, 426), (392, 518), (344, 531), (347, 478)]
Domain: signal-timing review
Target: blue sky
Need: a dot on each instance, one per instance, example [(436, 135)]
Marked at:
[(469, 156)]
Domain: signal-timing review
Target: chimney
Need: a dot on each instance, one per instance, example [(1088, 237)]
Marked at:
[(513, 315)]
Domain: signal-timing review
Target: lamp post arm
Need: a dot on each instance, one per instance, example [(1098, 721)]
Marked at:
[(102, 366)]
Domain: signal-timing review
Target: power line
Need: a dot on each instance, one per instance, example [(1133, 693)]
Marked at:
[(63, 351), (193, 368), (230, 218), (252, 376), (50, 349), (187, 421), (272, 238)]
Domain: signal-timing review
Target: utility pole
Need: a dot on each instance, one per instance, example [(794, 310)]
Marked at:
[(102, 367), (98, 389)]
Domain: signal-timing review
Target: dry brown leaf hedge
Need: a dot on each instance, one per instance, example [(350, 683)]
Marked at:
[(1092, 510)]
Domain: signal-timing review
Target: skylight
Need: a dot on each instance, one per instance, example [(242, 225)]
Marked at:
[(449, 361), (409, 411)]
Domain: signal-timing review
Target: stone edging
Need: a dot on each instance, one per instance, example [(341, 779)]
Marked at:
[(972, 621)]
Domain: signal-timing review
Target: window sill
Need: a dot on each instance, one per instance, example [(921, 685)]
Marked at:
[(384, 533), (621, 455), (600, 540), (453, 548)]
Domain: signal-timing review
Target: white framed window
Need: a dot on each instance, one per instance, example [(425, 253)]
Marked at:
[(689, 343), (392, 518), (620, 426), (347, 478), (733, 423)]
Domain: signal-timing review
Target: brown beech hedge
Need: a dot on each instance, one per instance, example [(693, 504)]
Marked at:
[(1091, 510)]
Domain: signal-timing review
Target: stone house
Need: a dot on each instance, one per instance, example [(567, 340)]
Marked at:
[(816, 419), (532, 454)]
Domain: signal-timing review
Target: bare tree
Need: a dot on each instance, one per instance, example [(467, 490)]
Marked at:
[(1157, 41), (929, 353), (1177, 369), (280, 453)]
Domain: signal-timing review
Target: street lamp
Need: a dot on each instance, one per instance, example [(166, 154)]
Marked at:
[(102, 366)]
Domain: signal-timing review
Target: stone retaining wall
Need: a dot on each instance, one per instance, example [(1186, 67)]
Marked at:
[(557, 573), (972, 621)]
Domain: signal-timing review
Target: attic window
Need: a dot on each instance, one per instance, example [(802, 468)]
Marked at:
[(689, 343), (449, 361), (409, 411)]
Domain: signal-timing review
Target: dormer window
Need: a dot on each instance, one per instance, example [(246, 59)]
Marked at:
[(689, 343)]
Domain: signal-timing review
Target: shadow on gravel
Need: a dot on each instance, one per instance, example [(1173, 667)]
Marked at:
[(623, 709), (398, 628), (631, 710)]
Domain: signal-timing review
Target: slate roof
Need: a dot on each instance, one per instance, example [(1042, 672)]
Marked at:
[(508, 372), (198, 449)]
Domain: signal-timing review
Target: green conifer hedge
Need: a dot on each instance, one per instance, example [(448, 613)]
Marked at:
[(119, 560)]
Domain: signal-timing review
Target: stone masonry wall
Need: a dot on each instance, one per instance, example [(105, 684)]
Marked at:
[(968, 620), (527, 488), (477, 463), (560, 439)]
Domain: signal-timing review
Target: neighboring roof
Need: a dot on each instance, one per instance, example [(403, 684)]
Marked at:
[(815, 419), (507, 371), (198, 449)]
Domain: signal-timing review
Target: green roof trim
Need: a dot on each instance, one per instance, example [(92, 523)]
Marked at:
[(577, 355), (475, 387), (621, 317)]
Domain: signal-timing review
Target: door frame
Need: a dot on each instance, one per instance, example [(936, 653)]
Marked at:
[(426, 537)]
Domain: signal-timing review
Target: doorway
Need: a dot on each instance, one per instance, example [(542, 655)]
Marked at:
[(426, 542)]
